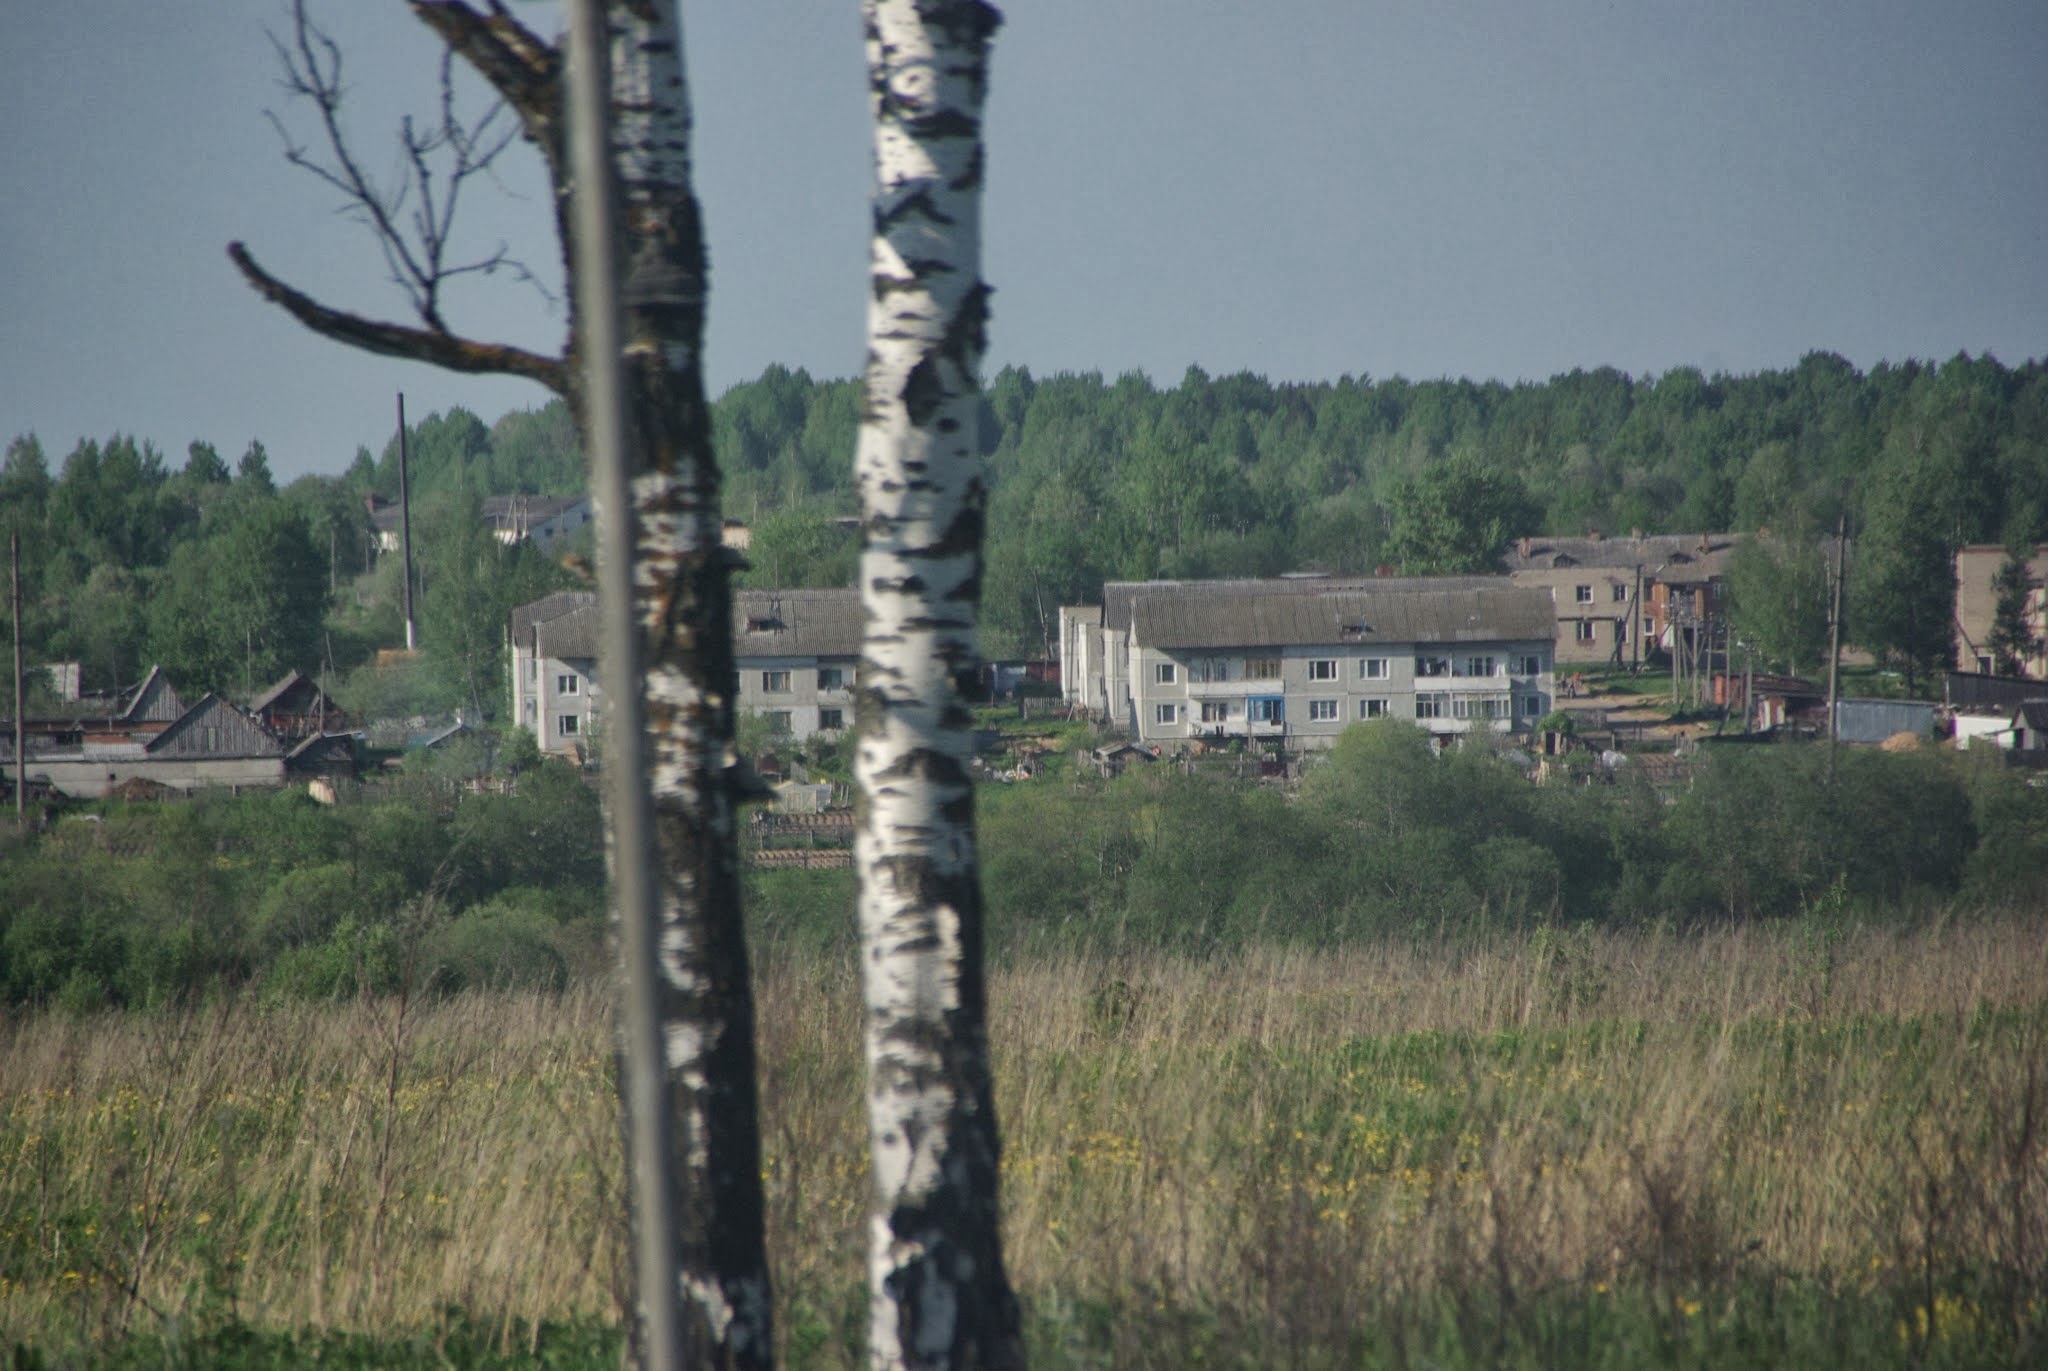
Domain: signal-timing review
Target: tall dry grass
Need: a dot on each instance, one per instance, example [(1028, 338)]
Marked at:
[(1286, 1145)]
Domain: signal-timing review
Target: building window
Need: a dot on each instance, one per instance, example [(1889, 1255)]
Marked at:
[(1431, 706), (1528, 706), (1375, 668), (566, 685), (778, 721), (1432, 666), (1166, 714), (831, 720), (1479, 707), (1206, 669), (532, 711), (1261, 668), (532, 670), (1163, 673), (1530, 664), (831, 678), (1322, 669), (775, 682), (1582, 595), (1375, 709), (1215, 711), (1582, 630), (1621, 593), (1476, 666), (568, 725), (1322, 711), (1266, 709)]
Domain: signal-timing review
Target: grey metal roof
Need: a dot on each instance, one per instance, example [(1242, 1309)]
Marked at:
[(1118, 596), (765, 623), (1392, 612), (578, 632), (525, 616), (796, 623), (1682, 557), (516, 511)]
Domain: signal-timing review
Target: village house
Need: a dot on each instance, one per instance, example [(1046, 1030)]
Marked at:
[(1977, 609), (1297, 660), (1618, 599), (156, 739), (795, 652)]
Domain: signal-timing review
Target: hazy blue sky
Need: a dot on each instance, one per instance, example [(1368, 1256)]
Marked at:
[(1302, 188)]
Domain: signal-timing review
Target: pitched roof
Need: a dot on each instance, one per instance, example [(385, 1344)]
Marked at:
[(1395, 613), (1118, 596), (765, 623), (513, 512), (1678, 558), (525, 616), (154, 701), (796, 623), (578, 632)]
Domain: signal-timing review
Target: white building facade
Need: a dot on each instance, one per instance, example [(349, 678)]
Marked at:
[(1298, 661), (795, 653)]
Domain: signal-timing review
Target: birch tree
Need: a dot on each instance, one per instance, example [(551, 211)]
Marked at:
[(938, 1293), (681, 573)]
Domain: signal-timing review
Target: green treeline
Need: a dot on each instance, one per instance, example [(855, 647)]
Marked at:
[(1383, 839), (228, 582), (1094, 480), (225, 580), (144, 903)]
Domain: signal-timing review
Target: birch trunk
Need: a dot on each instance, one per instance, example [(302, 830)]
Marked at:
[(938, 1293), (684, 600), (684, 607)]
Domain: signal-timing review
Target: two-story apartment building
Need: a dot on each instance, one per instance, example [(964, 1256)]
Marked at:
[(554, 670), (1617, 598), (1298, 661), (795, 654)]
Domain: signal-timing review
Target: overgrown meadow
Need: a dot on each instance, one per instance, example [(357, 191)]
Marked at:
[(1791, 1112)]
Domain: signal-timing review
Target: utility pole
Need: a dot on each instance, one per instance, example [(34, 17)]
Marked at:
[(405, 526), (651, 1185), (1835, 632), (20, 696), (1638, 626)]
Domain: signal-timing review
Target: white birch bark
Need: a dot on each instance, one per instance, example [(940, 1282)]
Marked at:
[(684, 599), (684, 602), (938, 1293)]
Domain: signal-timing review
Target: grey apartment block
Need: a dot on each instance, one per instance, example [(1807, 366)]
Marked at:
[(1299, 660), (795, 652)]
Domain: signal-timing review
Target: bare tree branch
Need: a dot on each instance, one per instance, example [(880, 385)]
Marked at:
[(397, 340), (412, 215)]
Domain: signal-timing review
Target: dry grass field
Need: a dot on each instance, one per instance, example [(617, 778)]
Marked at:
[(1791, 1142)]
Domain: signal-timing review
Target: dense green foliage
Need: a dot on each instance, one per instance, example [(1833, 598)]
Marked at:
[(151, 902), (225, 579), (408, 884), (1093, 480), (228, 582), (1385, 838)]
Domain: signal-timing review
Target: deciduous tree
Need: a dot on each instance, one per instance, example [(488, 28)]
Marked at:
[(938, 1293), (682, 576)]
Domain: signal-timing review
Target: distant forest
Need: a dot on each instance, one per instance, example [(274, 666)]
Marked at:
[(228, 580)]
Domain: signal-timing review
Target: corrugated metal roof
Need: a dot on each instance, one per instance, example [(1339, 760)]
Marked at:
[(577, 633), (1685, 557), (1118, 596), (796, 623), (548, 607), (1415, 610), (766, 623)]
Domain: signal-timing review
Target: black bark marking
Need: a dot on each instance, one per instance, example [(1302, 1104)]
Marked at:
[(924, 391)]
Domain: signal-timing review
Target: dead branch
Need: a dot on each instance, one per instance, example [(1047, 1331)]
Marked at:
[(412, 213), (397, 340)]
